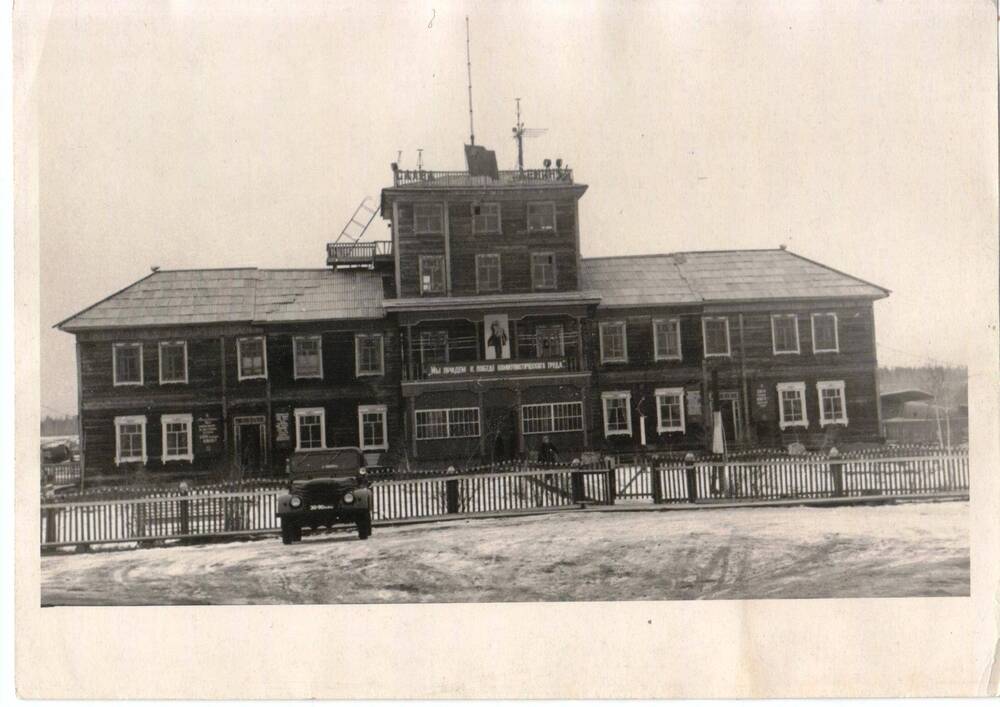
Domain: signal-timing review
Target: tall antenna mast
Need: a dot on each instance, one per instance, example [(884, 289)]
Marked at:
[(468, 66), (520, 132)]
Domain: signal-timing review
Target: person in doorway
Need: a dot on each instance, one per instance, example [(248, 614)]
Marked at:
[(547, 453)]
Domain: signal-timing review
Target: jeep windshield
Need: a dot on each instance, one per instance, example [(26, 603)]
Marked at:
[(326, 463)]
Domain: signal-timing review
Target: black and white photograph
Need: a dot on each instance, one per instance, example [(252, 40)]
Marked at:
[(414, 304)]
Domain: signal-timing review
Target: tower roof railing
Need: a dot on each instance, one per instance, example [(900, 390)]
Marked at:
[(425, 177)]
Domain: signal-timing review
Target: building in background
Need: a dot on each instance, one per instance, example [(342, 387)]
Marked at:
[(475, 331)]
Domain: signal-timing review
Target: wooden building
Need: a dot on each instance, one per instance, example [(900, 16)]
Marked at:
[(477, 330)]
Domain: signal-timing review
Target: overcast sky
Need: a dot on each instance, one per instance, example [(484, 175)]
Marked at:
[(862, 136)]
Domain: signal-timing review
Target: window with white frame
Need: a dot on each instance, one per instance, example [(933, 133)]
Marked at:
[(715, 334), (825, 337), (485, 218), (541, 216), (542, 418), (130, 439), (431, 274), (126, 364), (447, 423), (173, 362), (428, 218), (792, 405), (251, 354), (785, 333), (670, 410), (487, 272), (372, 427), (368, 354), (307, 359), (543, 271), (177, 442), (310, 428), (614, 348), (434, 346), (832, 403), (667, 339), (617, 413)]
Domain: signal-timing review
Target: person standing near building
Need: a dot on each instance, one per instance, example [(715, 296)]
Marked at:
[(547, 453)]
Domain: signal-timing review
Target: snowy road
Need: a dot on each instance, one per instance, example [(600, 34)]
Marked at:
[(905, 550)]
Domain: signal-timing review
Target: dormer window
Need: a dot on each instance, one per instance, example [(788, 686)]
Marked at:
[(428, 218), (542, 216)]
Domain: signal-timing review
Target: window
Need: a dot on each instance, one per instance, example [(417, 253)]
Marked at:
[(445, 424), (177, 437), (368, 354), (307, 360), (173, 362), (613, 346), (541, 418), (488, 273), (431, 274), (824, 333), (792, 405), (670, 410), (486, 218), (715, 332), (785, 333), (372, 430), (617, 413), (549, 340), (667, 339), (542, 216), (434, 346), (428, 218), (310, 428), (127, 364), (130, 439), (252, 356), (543, 271), (832, 403)]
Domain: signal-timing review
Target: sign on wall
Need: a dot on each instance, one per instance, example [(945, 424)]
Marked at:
[(761, 397), (496, 333), (208, 433), (693, 403), (442, 370), (281, 428)]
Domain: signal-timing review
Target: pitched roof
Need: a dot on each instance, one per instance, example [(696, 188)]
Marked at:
[(717, 276), (176, 297)]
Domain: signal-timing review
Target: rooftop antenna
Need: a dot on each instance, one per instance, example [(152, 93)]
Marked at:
[(468, 66), (521, 132), (420, 159)]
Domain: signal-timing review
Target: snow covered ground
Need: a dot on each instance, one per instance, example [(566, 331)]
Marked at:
[(919, 549)]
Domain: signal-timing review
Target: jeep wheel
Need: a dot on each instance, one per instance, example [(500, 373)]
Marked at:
[(290, 532), (364, 526)]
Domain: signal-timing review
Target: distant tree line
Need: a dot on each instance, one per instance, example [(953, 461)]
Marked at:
[(53, 426), (948, 384)]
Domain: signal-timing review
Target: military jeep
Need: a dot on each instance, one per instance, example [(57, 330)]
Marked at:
[(326, 487)]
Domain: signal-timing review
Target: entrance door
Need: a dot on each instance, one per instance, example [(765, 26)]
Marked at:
[(732, 419), (501, 434), (250, 448)]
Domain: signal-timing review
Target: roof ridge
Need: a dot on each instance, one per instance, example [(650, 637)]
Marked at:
[(684, 252)]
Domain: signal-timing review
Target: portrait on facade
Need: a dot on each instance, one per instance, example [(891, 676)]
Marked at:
[(496, 332)]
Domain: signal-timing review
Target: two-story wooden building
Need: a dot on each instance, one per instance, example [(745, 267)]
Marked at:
[(472, 334)]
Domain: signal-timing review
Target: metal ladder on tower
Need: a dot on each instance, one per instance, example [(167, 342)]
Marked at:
[(347, 251)]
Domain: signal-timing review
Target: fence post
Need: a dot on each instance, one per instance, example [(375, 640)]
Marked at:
[(692, 477), (451, 495), (185, 510), (654, 471), (51, 534), (612, 486), (837, 471)]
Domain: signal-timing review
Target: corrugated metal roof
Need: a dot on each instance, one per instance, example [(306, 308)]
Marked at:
[(717, 276), (176, 297)]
